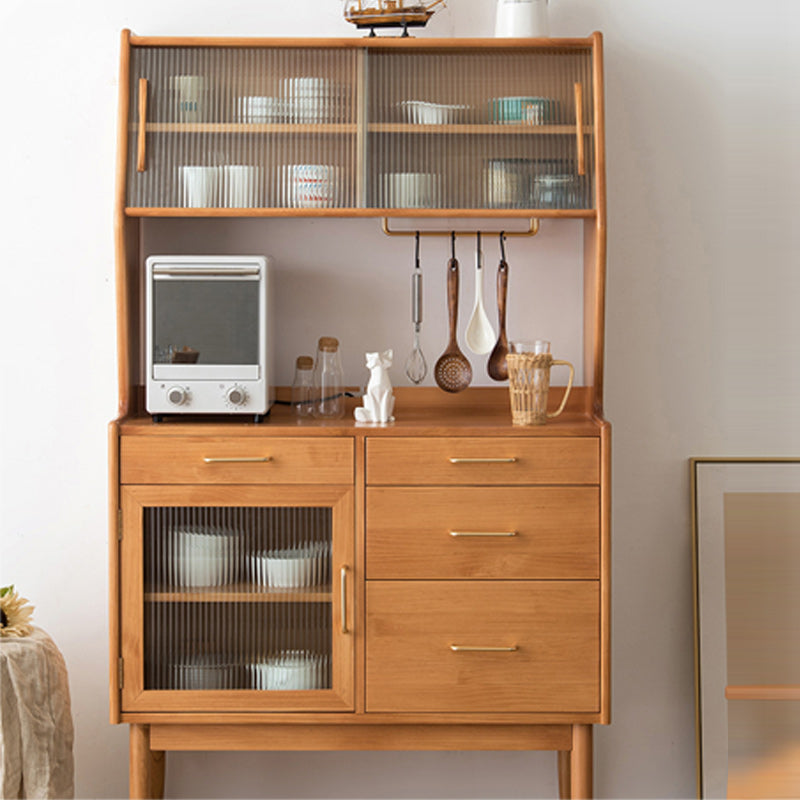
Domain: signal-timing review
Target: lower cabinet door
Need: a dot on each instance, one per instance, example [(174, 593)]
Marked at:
[(483, 646), (237, 598)]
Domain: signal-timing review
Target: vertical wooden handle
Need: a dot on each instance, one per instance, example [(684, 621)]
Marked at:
[(579, 128), (140, 141), (452, 300)]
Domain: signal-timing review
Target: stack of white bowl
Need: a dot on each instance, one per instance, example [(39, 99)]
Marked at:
[(291, 567), (298, 670), (310, 185), (204, 557)]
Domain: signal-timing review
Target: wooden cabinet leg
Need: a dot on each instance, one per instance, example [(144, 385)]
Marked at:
[(580, 762), (564, 790), (146, 766)]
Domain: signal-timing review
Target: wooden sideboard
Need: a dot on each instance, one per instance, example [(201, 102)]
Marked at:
[(462, 598)]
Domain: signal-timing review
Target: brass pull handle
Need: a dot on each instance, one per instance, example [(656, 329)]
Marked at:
[(237, 460), (483, 533), (579, 129), (483, 460), (466, 648), (140, 139), (343, 586)]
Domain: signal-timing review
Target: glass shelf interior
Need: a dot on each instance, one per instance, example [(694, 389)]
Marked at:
[(238, 598)]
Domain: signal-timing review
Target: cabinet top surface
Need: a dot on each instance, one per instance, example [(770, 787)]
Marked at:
[(367, 42), (418, 412)]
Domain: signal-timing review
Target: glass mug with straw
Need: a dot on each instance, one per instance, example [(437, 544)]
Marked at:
[(529, 366)]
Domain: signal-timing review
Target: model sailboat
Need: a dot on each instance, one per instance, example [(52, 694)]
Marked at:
[(389, 13)]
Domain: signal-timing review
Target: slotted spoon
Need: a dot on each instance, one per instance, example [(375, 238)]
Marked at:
[(453, 372)]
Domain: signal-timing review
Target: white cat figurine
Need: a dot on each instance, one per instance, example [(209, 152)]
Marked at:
[(378, 400)]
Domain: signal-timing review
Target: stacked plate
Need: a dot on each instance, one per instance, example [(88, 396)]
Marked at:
[(313, 100), (205, 672), (420, 112), (259, 109), (292, 567), (290, 670)]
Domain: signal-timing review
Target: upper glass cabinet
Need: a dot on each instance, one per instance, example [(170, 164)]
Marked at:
[(361, 128)]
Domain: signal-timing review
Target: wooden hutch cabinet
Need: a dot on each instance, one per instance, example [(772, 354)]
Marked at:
[(455, 568)]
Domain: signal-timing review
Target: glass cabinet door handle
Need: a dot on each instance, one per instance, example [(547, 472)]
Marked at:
[(483, 460), (140, 138), (237, 459), (467, 648), (343, 586), (581, 152)]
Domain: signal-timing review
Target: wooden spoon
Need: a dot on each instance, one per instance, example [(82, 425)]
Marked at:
[(453, 372), (497, 366)]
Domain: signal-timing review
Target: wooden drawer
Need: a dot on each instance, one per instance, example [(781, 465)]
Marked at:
[(465, 532), (412, 627), (478, 460), (231, 459)]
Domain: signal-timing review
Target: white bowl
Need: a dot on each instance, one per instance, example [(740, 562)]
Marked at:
[(290, 670), (420, 112), (290, 568)]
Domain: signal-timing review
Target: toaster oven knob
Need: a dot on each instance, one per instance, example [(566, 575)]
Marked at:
[(236, 396), (177, 395)]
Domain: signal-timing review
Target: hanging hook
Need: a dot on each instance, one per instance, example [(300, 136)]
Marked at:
[(453, 244), (416, 250), (502, 245)]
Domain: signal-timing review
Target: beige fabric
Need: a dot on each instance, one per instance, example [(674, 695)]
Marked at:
[(35, 719)]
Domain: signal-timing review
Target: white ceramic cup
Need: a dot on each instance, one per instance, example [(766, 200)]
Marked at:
[(190, 97), (200, 186), (240, 184)]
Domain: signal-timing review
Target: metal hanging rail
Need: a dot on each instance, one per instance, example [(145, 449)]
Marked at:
[(533, 229)]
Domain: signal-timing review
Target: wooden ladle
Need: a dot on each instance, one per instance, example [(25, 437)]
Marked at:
[(497, 366), (453, 372)]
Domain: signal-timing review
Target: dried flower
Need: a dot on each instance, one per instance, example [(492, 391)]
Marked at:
[(15, 614)]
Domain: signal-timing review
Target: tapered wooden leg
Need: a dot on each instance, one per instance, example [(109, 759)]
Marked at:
[(580, 762), (146, 766), (564, 791)]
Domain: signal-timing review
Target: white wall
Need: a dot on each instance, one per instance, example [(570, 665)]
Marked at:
[(702, 352)]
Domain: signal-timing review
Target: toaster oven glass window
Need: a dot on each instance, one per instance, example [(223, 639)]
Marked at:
[(205, 321)]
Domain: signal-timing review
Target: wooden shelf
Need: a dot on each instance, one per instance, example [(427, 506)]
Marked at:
[(239, 593), (250, 127), (478, 129), (394, 213)]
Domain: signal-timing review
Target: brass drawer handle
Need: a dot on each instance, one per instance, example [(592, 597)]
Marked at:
[(343, 585), (483, 460), (237, 460), (483, 533), (465, 648)]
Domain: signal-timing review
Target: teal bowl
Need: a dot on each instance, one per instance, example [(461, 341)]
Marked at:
[(522, 110)]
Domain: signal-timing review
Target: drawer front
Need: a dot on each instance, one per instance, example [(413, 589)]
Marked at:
[(483, 532), (552, 626), (478, 460), (230, 459)]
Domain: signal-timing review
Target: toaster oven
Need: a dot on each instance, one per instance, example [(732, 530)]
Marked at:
[(207, 340)]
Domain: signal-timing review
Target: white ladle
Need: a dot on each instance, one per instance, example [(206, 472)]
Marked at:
[(480, 336)]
